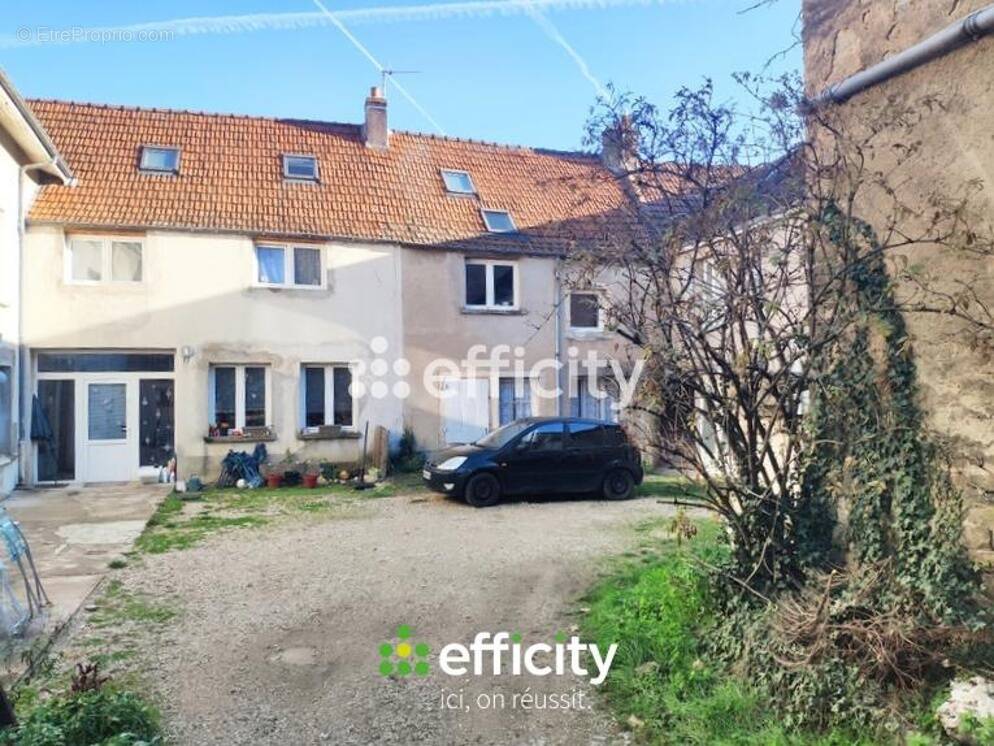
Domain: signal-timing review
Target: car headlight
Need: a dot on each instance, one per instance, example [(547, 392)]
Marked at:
[(451, 464)]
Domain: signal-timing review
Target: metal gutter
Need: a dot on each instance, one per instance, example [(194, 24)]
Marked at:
[(975, 26), (60, 169)]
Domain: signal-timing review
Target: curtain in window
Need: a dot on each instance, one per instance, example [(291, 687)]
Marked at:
[(343, 396), (224, 397), (106, 411), (87, 260), (313, 397), (503, 285), (126, 261), (271, 267), (255, 397), (307, 266), (514, 405)]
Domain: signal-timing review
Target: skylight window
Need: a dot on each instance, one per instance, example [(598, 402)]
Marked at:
[(499, 221), (156, 159), (300, 167), (458, 182)]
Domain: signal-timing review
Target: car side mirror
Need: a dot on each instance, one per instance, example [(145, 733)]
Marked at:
[(521, 446)]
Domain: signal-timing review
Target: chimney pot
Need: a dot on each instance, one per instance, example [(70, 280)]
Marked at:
[(619, 147), (375, 132)]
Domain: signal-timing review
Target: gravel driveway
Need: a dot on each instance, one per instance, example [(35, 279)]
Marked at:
[(279, 638)]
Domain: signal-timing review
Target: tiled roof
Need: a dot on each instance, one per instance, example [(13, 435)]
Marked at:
[(231, 180)]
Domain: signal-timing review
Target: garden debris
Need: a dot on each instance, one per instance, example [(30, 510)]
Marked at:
[(241, 465)]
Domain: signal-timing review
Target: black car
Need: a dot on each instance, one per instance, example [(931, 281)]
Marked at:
[(538, 456)]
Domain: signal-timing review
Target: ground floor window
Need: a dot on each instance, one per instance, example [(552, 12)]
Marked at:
[(594, 400), (327, 395), (6, 410), (239, 396), (514, 400)]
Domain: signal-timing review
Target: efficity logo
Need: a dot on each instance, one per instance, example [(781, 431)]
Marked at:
[(500, 653)]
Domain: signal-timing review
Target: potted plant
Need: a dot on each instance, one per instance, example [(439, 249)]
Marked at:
[(310, 476), (274, 479)]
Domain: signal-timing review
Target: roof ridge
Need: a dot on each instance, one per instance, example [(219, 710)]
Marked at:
[(552, 152)]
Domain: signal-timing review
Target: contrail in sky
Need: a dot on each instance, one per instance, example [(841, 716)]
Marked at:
[(239, 24), (553, 33), (376, 63)]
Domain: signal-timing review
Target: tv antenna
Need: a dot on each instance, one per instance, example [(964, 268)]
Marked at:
[(389, 73)]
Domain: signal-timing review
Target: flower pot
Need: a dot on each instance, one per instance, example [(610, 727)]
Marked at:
[(273, 480), (310, 481)]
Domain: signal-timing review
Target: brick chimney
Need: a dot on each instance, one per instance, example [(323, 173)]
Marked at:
[(619, 147), (374, 130)]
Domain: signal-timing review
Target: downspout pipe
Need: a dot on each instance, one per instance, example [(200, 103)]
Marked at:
[(558, 345), (975, 26)]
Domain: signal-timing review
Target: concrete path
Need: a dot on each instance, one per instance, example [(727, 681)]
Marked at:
[(74, 532)]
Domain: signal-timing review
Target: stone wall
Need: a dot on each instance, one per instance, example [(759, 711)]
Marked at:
[(951, 105)]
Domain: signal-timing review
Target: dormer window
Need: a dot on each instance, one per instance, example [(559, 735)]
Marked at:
[(159, 160), (300, 167), (458, 182), (498, 221)]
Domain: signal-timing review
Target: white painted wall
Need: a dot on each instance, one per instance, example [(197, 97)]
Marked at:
[(11, 159), (9, 299), (198, 292)]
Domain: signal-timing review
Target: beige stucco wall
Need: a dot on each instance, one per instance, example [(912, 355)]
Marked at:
[(953, 102), (198, 293), (436, 325)]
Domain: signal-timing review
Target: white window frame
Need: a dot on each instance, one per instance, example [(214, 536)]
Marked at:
[(239, 392), (472, 184), (329, 395), (152, 146), (304, 179), (489, 265), (510, 217), (106, 259), (580, 330), (289, 282)]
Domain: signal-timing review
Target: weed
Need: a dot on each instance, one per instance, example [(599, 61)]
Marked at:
[(104, 715)]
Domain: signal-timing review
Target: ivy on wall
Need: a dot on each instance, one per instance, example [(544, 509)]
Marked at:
[(872, 460)]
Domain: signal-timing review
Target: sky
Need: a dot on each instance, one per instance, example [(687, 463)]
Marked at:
[(511, 71)]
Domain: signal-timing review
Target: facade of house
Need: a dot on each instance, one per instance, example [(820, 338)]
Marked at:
[(27, 158), (949, 100), (212, 281)]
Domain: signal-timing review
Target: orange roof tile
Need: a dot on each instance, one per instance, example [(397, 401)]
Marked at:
[(231, 179)]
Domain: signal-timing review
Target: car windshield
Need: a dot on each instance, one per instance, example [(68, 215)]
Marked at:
[(503, 435)]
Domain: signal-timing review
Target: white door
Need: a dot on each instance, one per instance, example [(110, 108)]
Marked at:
[(465, 409), (110, 447)]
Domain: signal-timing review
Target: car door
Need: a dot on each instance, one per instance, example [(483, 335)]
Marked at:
[(584, 456), (532, 465)]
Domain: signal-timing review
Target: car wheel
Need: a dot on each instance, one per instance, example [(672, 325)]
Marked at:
[(482, 491), (618, 485)]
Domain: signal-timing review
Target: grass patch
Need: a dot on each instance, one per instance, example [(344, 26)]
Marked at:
[(116, 605), (175, 525), (670, 487), (662, 684)]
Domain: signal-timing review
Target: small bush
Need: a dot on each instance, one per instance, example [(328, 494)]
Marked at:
[(408, 458), (100, 717)]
